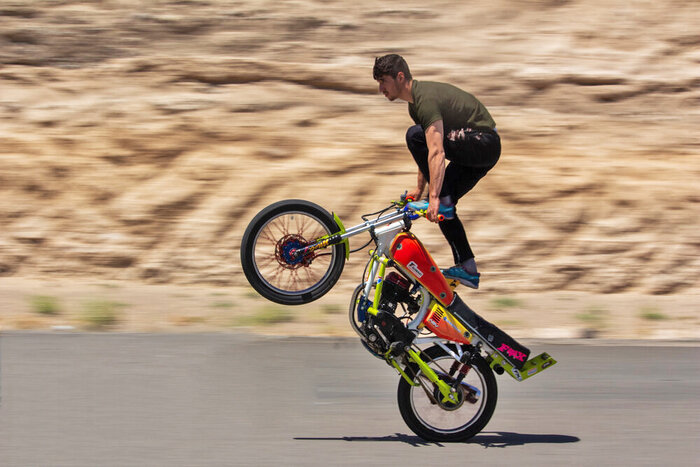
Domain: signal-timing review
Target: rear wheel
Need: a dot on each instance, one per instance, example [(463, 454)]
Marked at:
[(434, 420), (269, 244)]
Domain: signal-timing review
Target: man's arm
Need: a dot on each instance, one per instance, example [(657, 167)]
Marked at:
[(434, 135), (416, 194)]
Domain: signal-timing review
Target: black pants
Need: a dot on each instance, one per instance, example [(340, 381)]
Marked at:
[(471, 154)]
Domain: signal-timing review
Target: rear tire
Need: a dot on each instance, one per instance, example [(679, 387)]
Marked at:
[(448, 423), (279, 276)]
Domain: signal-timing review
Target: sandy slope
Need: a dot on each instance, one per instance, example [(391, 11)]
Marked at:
[(137, 142)]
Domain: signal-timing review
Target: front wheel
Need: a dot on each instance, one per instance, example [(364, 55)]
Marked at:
[(434, 420), (268, 259)]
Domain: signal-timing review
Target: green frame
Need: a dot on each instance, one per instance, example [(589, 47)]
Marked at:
[(448, 393)]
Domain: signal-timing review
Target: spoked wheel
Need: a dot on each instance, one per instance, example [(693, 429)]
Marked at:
[(434, 420), (269, 259)]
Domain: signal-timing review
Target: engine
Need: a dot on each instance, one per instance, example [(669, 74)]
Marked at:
[(386, 328), (396, 290)]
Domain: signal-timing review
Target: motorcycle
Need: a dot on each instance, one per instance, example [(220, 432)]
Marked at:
[(404, 310)]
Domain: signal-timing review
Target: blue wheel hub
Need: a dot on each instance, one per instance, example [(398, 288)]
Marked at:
[(286, 246)]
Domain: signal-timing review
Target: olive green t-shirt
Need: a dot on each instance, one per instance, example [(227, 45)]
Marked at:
[(457, 109)]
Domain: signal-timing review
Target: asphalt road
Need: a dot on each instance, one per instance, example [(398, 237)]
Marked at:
[(210, 400)]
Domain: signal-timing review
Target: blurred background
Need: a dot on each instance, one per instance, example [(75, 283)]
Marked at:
[(138, 139)]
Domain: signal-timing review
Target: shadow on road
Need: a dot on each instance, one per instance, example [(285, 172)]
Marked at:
[(502, 439), (499, 439), (398, 437)]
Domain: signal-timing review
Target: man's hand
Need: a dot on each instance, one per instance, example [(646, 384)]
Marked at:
[(414, 195), (433, 209)]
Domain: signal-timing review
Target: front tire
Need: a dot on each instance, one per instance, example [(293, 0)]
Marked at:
[(270, 267), (446, 422)]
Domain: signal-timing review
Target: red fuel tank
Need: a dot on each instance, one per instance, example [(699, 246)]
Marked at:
[(409, 253)]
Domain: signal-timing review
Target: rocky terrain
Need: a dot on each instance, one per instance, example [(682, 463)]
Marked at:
[(137, 139)]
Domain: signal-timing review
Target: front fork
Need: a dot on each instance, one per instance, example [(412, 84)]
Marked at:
[(377, 268)]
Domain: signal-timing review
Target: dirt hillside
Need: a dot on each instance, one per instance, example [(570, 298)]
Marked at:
[(137, 139)]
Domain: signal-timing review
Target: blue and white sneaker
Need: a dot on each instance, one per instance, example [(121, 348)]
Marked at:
[(458, 273), (422, 205)]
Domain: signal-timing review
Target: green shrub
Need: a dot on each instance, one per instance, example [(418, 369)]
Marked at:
[(45, 305), (251, 293), (593, 316), (266, 316), (500, 303), (652, 314), (224, 304), (332, 309), (99, 314)]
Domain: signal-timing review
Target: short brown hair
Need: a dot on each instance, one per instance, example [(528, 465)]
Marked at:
[(391, 65)]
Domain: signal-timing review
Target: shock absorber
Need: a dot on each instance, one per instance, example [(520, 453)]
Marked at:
[(464, 369), (466, 361)]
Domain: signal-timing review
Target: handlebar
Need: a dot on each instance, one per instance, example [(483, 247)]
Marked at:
[(403, 203), (403, 210)]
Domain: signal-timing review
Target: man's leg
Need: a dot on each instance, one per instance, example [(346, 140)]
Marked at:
[(458, 181), (476, 149), (456, 237), (471, 159), (417, 145)]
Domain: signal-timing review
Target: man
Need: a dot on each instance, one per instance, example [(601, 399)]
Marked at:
[(450, 124)]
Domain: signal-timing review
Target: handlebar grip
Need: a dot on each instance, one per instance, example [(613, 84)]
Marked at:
[(405, 198), (440, 218)]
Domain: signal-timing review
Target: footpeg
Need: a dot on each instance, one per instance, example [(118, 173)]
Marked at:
[(532, 367), (537, 365)]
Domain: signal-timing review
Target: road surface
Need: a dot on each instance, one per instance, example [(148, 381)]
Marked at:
[(220, 399)]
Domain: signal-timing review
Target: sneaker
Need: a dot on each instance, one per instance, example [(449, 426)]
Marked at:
[(447, 211), (458, 273)]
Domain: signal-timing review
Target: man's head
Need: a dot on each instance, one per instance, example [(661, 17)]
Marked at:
[(392, 73), (391, 65)]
